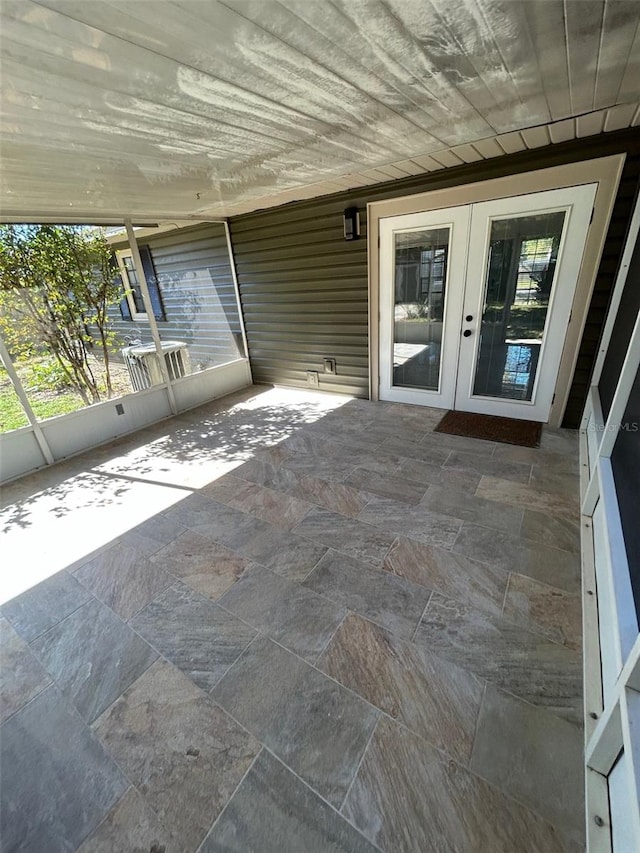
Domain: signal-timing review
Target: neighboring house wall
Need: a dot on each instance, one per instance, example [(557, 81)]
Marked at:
[(304, 288), (196, 286)]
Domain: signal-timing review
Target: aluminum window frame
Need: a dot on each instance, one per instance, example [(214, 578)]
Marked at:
[(610, 622)]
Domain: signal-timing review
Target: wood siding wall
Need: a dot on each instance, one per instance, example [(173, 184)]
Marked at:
[(304, 288), (194, 276)]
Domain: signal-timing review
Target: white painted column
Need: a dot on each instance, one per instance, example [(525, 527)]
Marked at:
[(236, 286), (148, 307), (26, 405)]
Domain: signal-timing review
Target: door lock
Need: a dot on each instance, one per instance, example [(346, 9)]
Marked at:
[(468, 318), (467, 333)]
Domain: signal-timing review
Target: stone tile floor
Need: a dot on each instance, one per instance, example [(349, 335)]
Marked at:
[(294, 622)]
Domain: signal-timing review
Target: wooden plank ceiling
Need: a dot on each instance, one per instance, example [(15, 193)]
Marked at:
[(198, 109)]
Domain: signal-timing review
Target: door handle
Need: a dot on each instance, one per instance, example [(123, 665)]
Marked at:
[(467, 333)]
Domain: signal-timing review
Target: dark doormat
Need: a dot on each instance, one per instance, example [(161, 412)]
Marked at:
[(491, 428)]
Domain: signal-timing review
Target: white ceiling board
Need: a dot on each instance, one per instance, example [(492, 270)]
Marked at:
[(584, 30), (591, 123), (448, 159), (617, 118), (629, 87), (188, 109), (429, 164), (536, 137), (611, 70), (511, 143), (563, 131), (545, 22), (467, 153), (488, 148), (410, 167)]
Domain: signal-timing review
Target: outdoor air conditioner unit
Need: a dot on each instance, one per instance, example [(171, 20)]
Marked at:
[(144, 367)]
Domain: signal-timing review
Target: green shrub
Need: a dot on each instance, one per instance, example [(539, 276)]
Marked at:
[(46, 374)]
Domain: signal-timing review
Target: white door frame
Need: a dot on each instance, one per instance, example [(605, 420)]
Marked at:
[(456, 219), (605, 171), (578, 203)]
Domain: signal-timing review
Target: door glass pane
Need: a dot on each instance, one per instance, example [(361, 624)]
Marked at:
[(420, 285), (519, 279)]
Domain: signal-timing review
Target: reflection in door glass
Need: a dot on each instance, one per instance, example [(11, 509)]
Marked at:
[(420, 284), (519, 278)]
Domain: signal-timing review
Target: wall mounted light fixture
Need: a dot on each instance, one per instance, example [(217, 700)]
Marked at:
[(351, 220)]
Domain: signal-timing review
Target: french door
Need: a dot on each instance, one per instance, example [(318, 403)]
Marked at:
[(475, 301)]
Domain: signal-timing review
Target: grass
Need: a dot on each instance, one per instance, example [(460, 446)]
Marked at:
[(12, 415), (46, 396), (45, 402)]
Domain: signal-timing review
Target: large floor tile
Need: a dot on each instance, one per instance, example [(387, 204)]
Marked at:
[(259, 684), (534, 757), (268, 504), (274, 812), (289, 613), (93, 657), (432, 697), (210, 518), (480, 463), (503, 652), (380, 462), (182, 752), (21, 675), (196, 635), (206, 566), (325, 466), (267, 472), (353, 451), (473, 509), (386, 485), (225, 489), (392, 602), (363, 541), (421, 418), (130, 826), (316, 727), (556, 482), (410, 798), (459, 443), (545, 610), (478, 584), (283, 551), (303, 441), (430, 474), (513, 554), (414, 522), (58, 781), (207, 500), (432, 452), (546, 459), (123, 580), (42, 606), (551, 530), (147, 538), (342, 432), (332, 495), (556, 440), (495, 488)]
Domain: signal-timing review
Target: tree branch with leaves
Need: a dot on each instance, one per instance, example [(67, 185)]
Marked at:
[(56, 283)]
